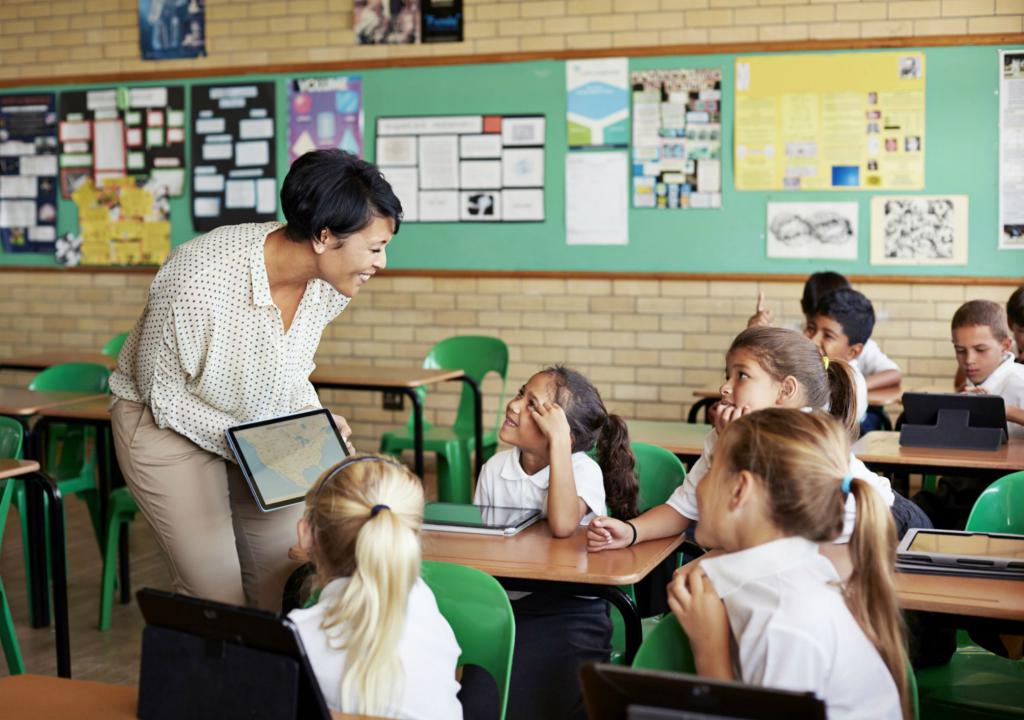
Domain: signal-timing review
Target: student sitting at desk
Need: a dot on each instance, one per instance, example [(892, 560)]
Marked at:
[(552, 422), (981, 341), (776, 490), (376, 640), (1015, 316)]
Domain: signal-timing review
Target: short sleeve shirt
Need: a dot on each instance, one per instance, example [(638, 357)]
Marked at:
[(504, 483), (1007, 381), (210, 350), (873, 361)]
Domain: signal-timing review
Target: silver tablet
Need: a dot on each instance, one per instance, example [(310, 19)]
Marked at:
[(481, 519), (282, 458), (962, 552)]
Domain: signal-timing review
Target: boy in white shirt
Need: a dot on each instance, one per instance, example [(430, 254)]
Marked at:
[(981, 340)]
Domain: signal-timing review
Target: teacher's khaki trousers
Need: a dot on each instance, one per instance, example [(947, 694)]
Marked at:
[(218, 543)]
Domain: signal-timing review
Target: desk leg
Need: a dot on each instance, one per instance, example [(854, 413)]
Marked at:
[(38, 485), (478, 421), (417, 429), (39, 611)]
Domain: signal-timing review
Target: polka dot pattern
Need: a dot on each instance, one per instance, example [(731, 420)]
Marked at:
[(210, 350)]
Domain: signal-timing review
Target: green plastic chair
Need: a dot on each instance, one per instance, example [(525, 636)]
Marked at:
[(666, 647), (976, 684), (476, 355), (70, 457), (11, 439), (479, 612), (114, 345), (659, 473), (121, 509)]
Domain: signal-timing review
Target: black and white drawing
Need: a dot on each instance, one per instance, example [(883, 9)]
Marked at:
[(920, 229), (812, 230)]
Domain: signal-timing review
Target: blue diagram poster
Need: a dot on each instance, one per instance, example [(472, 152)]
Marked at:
[(171, 29), (325, 112), (598, 102), (28, 172)]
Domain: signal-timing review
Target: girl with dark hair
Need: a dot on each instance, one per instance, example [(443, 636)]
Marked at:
[(232, 323), (552, 423)]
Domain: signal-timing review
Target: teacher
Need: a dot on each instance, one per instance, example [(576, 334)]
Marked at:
[(228, 335)]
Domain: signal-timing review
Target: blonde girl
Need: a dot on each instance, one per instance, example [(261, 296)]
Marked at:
[(376, 639), (776, 489)]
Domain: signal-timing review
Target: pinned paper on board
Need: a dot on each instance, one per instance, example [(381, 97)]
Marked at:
[(598, 102), (812, 230), (28, 172), (919, 230), (325, 112), (597, 198), (677, 138), (465, 168), (171, 29), (1011, 150), (123, 222)]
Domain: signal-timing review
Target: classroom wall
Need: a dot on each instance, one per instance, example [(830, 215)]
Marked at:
[(94, 37), (647, 344)]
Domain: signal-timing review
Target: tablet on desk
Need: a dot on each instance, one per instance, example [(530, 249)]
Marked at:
[(282, 458), (957, 552), (481, 519)]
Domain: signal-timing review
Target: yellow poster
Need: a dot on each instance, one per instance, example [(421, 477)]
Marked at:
[(851, 121), (123, 222)]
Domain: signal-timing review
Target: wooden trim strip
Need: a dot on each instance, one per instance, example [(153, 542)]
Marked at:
[(197, 71), (601, 275)]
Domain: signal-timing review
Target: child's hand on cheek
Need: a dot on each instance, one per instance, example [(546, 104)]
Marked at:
[(551, 420), (728, 413)]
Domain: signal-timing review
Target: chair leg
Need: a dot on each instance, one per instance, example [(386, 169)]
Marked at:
[(92, 501), (453, 476), (110, 548), (8, 639)]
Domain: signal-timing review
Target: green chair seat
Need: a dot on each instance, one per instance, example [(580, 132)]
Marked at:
[(11, 440), (480, 615), (667, 648), (477, 356)]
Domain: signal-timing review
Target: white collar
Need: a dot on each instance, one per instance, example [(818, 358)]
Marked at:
[(334, 589), (997, 375), (731, 571), (512, 470)]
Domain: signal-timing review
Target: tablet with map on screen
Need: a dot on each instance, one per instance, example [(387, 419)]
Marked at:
[(282, 458)]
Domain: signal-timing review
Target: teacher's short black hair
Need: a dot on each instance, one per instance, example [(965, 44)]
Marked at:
[(336, 190)]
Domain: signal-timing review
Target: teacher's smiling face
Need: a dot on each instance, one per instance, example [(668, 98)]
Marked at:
[(348, 263)]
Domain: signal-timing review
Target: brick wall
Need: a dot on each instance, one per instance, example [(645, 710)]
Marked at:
[(40, 39), (647, 344)]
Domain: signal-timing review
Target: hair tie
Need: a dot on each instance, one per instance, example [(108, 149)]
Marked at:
[(377, 508), (847, 482), (824, 361)]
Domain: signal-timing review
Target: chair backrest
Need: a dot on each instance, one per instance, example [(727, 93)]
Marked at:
[(478, 610), (666, 647), (1001, 507), (12, 435), (72, 377), (476, 355), (658, 471), (114, 345)]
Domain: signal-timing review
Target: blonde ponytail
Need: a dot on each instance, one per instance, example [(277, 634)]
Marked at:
[(871, 591), (366, 516)]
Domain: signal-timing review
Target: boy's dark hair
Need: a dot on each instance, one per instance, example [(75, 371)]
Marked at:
[(818, 286), (592, 426), (850, 309), (1015, 307), (336, 190), (982, 312)]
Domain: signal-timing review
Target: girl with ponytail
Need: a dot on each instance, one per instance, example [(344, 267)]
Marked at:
[(776, 489), (765, 367), (376, 639), (554, 420)]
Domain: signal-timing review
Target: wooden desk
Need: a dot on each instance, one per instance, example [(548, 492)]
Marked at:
[(28, 471), (535, 560), (882, 452), (686, 440), (21, 403), (406, 381), (39, 697), (996, 603), (41, 361)]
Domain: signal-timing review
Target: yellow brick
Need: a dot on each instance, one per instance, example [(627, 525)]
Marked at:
[(659, 21), (268, 9), (565, 25), (775, 33), (997, 24), (35, 10), (613, 305), (517, 28), (19, 27), (547, 8), (622, 6), (54, 55), (760, 16), (809, 13), (683, 4), (51, 24), (945, 293), (709, 18), (588, 41), (731, 3), (502, 45), (635, 322), (1009, 7), (120, 20), (498, 11), (683, 37), (634, 287), (684, 288), (588, 7), (967, 7), (949, 26), (619, 339), (612, 22), (914, 9), (888, 28), (291, 23)]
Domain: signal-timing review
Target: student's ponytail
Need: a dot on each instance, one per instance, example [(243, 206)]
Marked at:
[(366, 516), (619, 468), (842, 396), (592, 426), (870, 590)]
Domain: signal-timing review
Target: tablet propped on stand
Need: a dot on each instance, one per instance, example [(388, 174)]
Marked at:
[(959, 552)]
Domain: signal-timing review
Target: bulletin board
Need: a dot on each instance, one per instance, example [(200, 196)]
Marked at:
[(961, 118)]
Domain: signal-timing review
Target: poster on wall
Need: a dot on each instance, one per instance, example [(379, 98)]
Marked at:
[(677, 138), (171, 29), (325, 112), (849, 121), (234, 176), (1011, 150), (812, 230), (442, 21), (597, 198), (123, 222), (122, 131), (465, 168), (597, 102), (28, 172), (388, 22), (919, 230)]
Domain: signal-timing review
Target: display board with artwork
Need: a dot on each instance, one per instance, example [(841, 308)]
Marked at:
[(28, 172), (325, 112)]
